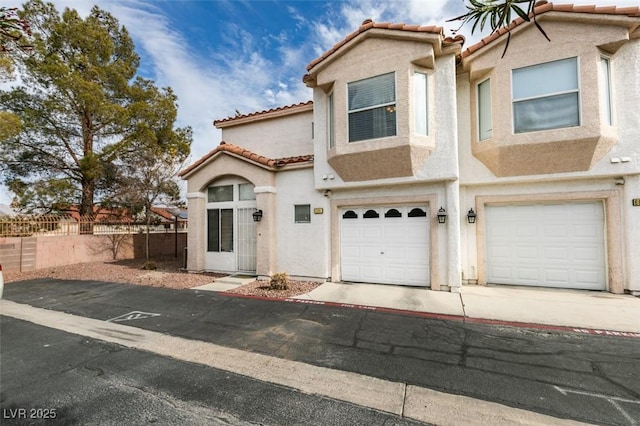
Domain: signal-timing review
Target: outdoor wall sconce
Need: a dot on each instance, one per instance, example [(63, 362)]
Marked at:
[(257, 216), (442, 215), (471, 216)]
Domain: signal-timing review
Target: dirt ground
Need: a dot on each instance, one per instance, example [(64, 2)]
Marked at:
[(168, 274)]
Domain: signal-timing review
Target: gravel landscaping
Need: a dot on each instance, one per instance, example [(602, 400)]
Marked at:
[(168, 274)]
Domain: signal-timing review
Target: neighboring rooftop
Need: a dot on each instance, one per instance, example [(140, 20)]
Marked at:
[(170, 213)]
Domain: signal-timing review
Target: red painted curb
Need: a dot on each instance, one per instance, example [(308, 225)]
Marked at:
[(446, 317)]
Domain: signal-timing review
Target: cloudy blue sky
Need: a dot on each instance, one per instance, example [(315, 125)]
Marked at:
[(220, 56)]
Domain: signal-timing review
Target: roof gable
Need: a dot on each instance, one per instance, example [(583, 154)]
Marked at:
[(246, 155), (543, 7), (386, 29)]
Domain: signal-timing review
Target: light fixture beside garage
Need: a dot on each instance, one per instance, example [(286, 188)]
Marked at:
[(442, 215), (471, 216), (257, 216)]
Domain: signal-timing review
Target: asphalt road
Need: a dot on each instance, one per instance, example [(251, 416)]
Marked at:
[(76, 380), (588, 378)]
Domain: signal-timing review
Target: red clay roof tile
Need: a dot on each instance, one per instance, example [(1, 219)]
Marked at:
[(544, 7), (263, 112), (249, 155), (367, 25)]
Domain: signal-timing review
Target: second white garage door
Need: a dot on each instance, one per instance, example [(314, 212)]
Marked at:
[(550, 245), (387, 245)]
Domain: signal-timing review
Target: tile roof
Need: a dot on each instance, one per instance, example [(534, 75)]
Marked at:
[(249, 155), (170, 213), (369, 24), (544, 7), (272, 111)]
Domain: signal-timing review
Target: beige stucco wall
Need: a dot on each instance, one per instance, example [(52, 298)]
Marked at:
[(302, 248), (284, 136), (370, 159), (59, 250), (404, 158), (549, 151), (556, 165), (223, 165)]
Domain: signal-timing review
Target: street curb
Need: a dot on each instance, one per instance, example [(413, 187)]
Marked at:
[(445, 317)]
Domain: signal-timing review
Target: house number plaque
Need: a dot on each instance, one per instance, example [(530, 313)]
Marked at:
[(635, 202)]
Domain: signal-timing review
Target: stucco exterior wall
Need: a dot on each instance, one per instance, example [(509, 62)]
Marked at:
[(576, 151), (384, 56), (286, 136), (617, 170), (221, 166), (51, 251), (303, 248)]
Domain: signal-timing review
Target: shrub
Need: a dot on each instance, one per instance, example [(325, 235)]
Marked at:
[(149, 266), (279, 281)]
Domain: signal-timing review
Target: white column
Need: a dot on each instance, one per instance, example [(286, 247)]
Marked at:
[(197, 231), (454, 262)]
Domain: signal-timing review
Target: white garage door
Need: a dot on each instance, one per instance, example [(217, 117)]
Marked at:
[(387, 245), (548, 245)]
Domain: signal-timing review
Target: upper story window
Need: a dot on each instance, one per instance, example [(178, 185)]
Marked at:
[(332, 140), (605, 91), (485, 127), (546, 96), (372, 108), (420, 104)]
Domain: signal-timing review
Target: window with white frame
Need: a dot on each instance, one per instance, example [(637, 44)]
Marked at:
[(246, 192), (485, 126), (372, 108), (420, 104), (220, 230), (605, 91), (332, 141), (546, 96), (217, 194)]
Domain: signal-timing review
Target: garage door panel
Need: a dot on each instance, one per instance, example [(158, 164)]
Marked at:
[(501, 272), (497, 251), (587, 254), (528, 274), (371, 273), (565, 250), (526, 230), (590, 279), (392, 249), (526, 254), (556, 254), (558, 276), (555, 231), (584, 231)]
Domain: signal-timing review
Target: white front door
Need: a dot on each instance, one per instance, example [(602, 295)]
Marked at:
[(551, 245), (387, 245), (230, 239), (247, 240)]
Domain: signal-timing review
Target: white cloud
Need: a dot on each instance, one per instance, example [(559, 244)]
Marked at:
[(236, 75)]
